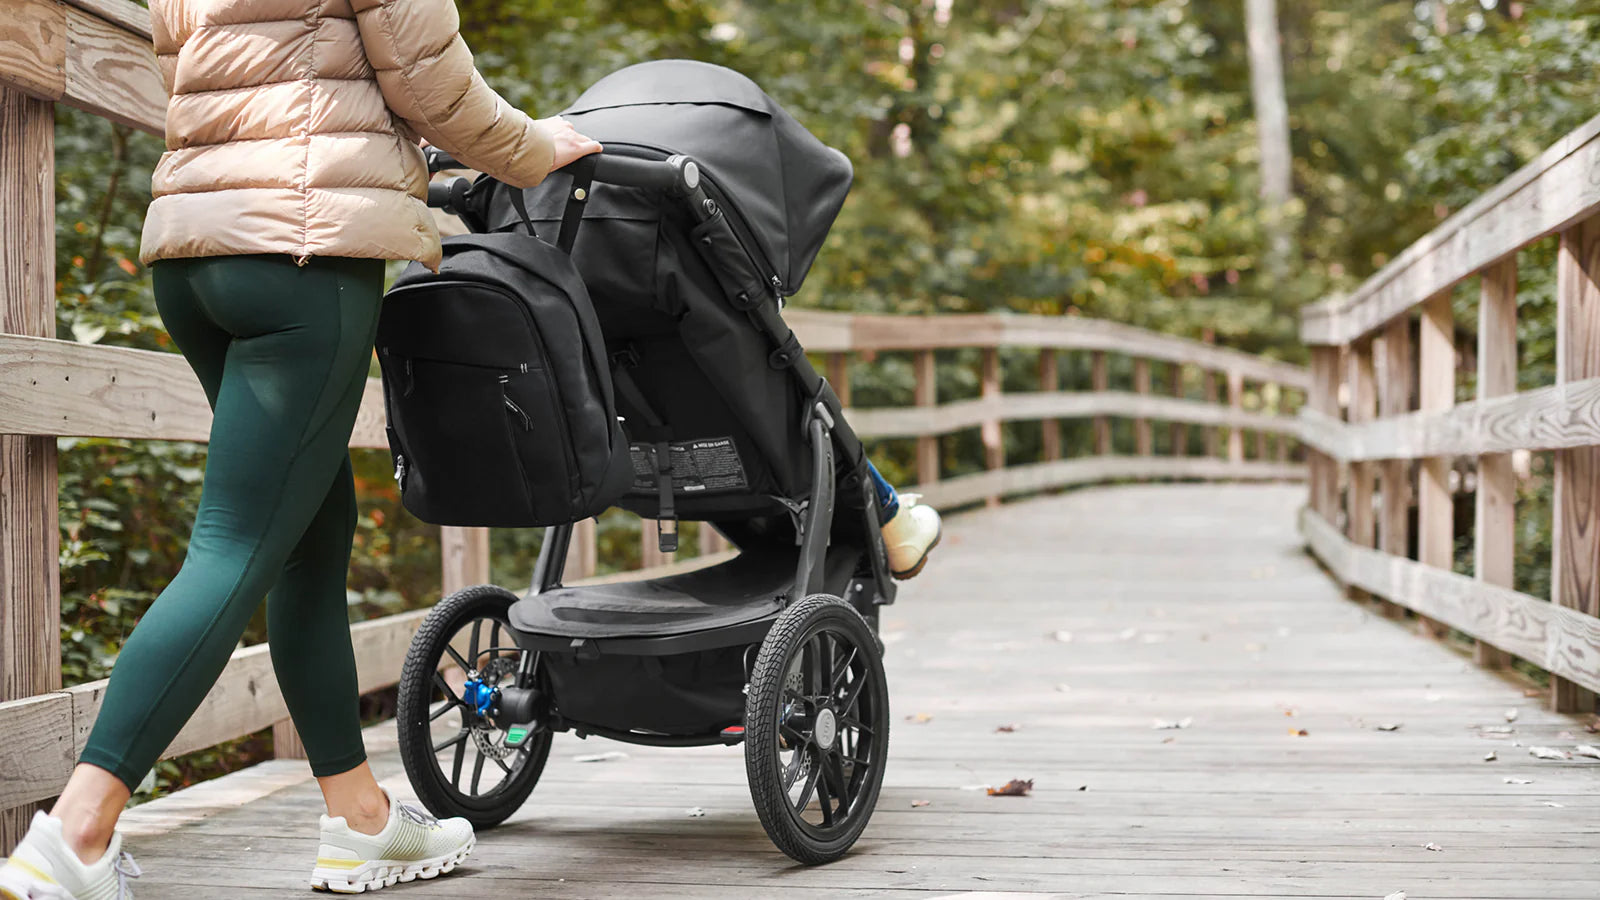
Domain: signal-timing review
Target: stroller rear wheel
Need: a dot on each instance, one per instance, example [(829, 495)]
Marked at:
[(462, 753), (817, 729)]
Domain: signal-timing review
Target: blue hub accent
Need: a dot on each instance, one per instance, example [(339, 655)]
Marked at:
[(478, 695)]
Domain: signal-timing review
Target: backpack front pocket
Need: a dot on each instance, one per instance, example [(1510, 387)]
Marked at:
[(539, 430)]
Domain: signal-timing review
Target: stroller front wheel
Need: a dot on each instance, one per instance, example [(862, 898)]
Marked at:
[(462, 757), (817, 729)]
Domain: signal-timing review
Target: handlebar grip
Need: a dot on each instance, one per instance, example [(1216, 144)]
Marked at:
[(677, 175), (439, 160), (448, 194)]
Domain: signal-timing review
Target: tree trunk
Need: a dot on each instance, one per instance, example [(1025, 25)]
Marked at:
[(1272, 127)]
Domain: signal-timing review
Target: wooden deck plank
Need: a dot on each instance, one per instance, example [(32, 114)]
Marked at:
[(1117, 607)]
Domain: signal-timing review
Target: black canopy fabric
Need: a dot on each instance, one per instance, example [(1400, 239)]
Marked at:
[(786, 184)]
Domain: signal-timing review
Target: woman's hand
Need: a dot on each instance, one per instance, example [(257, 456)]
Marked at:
[(570, 145)]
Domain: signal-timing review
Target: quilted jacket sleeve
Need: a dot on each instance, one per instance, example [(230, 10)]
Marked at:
[(428, 79)]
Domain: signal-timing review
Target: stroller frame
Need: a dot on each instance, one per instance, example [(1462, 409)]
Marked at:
[(828, 612)]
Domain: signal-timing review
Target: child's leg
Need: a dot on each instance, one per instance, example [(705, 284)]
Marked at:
[(888, 500)]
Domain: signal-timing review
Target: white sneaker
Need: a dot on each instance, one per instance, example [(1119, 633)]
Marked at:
[(910, 535), (44, 867), (411, 845)]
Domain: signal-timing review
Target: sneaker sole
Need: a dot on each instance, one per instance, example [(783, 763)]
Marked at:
[(916, 570), (18, 885), (379, 874)]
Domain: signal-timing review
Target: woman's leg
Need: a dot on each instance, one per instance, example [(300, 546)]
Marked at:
[(301, 339)]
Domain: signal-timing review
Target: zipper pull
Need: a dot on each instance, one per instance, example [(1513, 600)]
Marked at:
[(400, 469)]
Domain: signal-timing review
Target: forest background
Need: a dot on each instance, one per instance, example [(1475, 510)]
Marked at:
[(1062, 157)]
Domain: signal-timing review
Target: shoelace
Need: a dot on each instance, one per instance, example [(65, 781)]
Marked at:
[(126, 869), (408, 811)]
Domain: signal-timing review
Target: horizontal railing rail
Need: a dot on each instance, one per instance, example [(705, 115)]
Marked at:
[(1384, 396)]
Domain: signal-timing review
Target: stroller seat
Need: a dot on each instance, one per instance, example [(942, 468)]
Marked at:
[(748, 588)]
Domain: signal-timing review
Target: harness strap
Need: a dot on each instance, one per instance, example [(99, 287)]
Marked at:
[(659, 437), (577, 198)]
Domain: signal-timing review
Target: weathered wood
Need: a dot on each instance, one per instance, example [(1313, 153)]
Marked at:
[(38, 751), (464, 554), (1050, 383), (1436, 390), (1100, 381), (286, 743), (927, 395), (1143, 441), (30, 541), (1575, 555), (33, 49), (1562, 640), (1395, 365), (128, 16), (1236, 403), (827, 332), (583, 552), (59, 52), (1494, 528), (1209, 389), (1545, 196), (839, 376), (1035, 477), (1177, 432), (911, 421), (57, 387), (1323, 398), (994, 448), (1361, 526)]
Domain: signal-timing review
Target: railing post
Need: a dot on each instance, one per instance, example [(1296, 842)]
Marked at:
[(927, 395), (1324, 399), (464, 553), (1050, 382), (1177, 432), (711, 540), (1394, 398), (1236, 403), (1494, 531), (1436, 391), (583, 550), (1208, 379), (1142, 436), (1362, 528), (839, 376), (30, 576), (994, 446), (1575, 557), (1100, 381)]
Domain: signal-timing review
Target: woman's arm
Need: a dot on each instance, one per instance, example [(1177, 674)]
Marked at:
[(427, 77)]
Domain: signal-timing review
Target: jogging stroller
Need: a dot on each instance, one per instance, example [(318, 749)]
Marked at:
[(705, 212)]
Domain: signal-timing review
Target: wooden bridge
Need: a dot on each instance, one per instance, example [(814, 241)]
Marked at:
[(1203, 708)]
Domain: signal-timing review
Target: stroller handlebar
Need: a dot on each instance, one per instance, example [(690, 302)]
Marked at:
[(677, 175)]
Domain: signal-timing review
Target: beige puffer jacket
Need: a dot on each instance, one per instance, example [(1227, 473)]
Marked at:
[(292, 127)]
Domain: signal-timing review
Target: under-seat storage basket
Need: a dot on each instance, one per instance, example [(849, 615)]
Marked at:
[(498, 397)]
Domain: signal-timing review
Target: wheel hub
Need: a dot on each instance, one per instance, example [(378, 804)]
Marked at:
[(826, 730)]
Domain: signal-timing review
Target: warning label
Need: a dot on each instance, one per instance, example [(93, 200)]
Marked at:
[(704, 466)]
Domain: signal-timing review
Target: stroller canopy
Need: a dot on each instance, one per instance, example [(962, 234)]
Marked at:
[(782, 181)]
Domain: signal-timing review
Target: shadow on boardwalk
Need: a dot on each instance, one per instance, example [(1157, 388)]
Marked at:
[(1082, 620)]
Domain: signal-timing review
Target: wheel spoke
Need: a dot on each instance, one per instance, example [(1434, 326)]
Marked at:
[(824, 664), (840, 673), (444, 707), (847, 706), (451, 742), (813, 781), (439, 681), (854, 723), (833, 773), (502, 764), (477, 772), (472, 645), (494, 639), (455, 766), (466, 667), (795, 766), (825, 791), (794, 737)]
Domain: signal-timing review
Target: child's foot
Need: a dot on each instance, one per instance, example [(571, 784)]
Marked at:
[(44, 867), (910, 535), (411, 845)]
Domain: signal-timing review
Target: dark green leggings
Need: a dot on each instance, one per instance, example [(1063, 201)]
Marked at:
[(283, 353)]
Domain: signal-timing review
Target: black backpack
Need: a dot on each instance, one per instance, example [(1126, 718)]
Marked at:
[(497, 387)]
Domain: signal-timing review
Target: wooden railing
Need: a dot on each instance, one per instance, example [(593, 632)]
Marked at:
[(95, 55), (1383, 396)]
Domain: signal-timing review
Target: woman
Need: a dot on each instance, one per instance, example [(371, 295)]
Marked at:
[(292, 173)]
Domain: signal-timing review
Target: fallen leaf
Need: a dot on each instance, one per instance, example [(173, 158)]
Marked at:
[(915, 804), (1390, 726), (1554, 805), (1511, 715), (1291, 711), (1548, 753), (1432, 846), (919, 718), (1168, 740), (1491, 756), (1299, 732), (1588, 750), (608, 756), (697, 813), (1007, 729), (1016, 787), (1510, 780), (1164, 725), (1533, 692)]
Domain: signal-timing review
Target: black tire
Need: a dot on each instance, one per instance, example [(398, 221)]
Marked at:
[(421, 686), (838, 757)]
